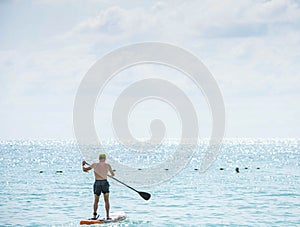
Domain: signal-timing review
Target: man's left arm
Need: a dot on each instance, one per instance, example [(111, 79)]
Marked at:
[(86, 169)]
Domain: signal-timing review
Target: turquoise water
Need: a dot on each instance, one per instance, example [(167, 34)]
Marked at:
[(266, 191)]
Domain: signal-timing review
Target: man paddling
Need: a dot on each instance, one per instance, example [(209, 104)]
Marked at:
[(101, 184)]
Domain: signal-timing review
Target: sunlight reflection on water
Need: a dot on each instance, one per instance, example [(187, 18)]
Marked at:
[(264, 192)]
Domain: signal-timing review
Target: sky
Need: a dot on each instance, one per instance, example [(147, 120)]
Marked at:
[(252, 48)]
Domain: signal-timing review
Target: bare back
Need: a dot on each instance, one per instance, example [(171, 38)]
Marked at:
[(101, 169)]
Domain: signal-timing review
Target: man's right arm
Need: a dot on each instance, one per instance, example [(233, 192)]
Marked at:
[(110, 170)]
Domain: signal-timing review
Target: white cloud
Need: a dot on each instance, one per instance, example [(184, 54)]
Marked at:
[(251, 47)]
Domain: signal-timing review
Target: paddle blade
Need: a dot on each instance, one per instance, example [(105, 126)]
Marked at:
[(145, 195)]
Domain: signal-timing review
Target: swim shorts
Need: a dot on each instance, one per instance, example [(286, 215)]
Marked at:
[(101, 186)]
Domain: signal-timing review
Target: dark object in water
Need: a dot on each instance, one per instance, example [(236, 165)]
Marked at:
[(221, 168), (139, 169), (246, 167), (59, 171), (166, 169), (257, 168), (41, 171), (196, 169), (237, 169)]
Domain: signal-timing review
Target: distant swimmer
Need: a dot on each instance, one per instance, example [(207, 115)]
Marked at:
[(237, 169), (101, 184)]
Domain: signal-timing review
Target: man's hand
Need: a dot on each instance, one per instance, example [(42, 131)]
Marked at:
[(85, 169)]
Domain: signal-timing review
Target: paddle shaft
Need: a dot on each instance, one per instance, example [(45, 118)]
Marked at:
[(144, 195), (123, 183)]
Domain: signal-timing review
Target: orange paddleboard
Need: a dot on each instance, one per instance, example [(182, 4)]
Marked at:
[(115, 217)]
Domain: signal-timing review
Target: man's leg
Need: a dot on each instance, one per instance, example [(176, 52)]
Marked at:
[(96, 201), (106, 200)]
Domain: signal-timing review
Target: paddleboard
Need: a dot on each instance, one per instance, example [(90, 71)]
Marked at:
[(115, 217)]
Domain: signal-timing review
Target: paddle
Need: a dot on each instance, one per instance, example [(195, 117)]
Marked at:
[(144, 195)]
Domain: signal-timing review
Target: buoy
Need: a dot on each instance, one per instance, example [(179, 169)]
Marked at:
[(41, 171), (246, 167), (237, 169), (221, 168), (196, 169), (59, 171), (257, 168), (166, 169), (139, 169)]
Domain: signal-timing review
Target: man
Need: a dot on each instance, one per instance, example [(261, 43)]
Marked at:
[(101, 184)]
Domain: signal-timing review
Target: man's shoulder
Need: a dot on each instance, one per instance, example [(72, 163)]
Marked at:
[(94, 165)]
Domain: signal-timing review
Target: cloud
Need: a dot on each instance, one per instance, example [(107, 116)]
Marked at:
[(251, 47)]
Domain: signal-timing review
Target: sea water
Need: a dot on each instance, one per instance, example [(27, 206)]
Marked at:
[(42, 184)]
